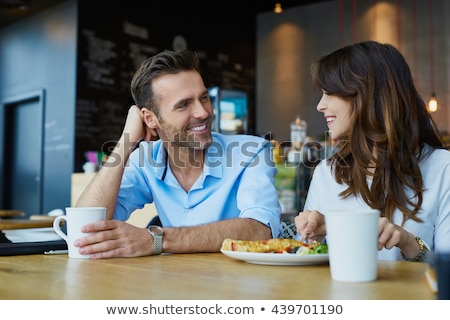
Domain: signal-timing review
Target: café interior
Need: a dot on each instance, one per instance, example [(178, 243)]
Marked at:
[(63, 62)]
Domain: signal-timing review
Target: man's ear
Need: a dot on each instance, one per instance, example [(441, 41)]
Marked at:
[(150, 120)]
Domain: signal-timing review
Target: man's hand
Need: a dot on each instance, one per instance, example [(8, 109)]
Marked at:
[(135, 126), (113, 238)]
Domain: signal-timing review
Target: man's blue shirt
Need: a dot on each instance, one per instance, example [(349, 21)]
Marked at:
[(237, 181)]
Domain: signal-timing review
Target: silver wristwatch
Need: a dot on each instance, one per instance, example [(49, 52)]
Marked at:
[(157, 233)]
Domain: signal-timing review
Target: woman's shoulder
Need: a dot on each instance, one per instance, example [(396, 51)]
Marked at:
[(436, 164), (435, 156)]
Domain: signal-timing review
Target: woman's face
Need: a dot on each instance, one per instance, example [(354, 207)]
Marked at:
[(337, 114)]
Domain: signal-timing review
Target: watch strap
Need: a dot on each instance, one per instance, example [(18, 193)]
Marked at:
[(157, 239), (423, 252)]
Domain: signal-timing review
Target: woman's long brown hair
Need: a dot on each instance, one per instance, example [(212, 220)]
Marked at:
[(390, 126)]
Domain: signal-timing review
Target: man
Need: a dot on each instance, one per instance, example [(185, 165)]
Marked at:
[(206, 186)]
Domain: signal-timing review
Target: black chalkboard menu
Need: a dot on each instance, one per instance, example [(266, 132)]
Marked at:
[(112, 46)]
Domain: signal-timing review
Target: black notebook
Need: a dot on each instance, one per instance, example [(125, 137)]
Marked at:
[(38, 247)]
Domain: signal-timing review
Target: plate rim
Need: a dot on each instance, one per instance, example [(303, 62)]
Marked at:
[(289, 259)]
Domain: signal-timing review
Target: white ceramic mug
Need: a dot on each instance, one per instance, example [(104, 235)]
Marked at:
[(89, 167), (352, 238), (75, 218)]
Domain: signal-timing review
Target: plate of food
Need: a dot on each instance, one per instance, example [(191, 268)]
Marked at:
[(278, 251)]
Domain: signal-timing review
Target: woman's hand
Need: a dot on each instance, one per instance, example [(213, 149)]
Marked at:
[(391, 235), (310, 225)]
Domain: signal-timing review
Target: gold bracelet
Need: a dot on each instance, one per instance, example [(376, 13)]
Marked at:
[(423, 252)]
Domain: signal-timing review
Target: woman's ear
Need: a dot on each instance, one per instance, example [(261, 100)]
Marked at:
[(150, 120)]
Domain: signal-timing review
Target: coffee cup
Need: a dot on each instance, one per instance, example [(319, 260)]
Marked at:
[(89, 167), (352, 238), (75, 219)]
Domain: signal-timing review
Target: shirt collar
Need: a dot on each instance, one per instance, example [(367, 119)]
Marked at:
[(212, 168)]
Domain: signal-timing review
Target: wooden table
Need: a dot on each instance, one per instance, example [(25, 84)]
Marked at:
[(197, 276), (11, 213), (15, 224)]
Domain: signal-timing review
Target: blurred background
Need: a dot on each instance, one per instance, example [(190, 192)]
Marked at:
[(66, 67)]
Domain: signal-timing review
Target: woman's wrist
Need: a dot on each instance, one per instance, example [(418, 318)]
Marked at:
[(421, 256)]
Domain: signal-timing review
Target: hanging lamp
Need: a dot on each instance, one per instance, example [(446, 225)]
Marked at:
[(278, 8), (432, 103)]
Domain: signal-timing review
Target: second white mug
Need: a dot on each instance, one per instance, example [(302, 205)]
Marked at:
[(352, 238)]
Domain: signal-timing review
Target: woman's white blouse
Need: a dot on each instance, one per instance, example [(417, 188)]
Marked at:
[(323, 195)]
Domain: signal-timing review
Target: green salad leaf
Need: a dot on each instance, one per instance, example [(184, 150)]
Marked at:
[(320, 248)]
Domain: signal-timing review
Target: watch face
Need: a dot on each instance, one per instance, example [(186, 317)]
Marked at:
[(156, 230)]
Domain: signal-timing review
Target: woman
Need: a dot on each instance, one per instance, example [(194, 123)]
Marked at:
[(389, 154)]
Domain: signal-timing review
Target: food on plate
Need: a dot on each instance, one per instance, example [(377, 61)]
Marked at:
[(276, 245)]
